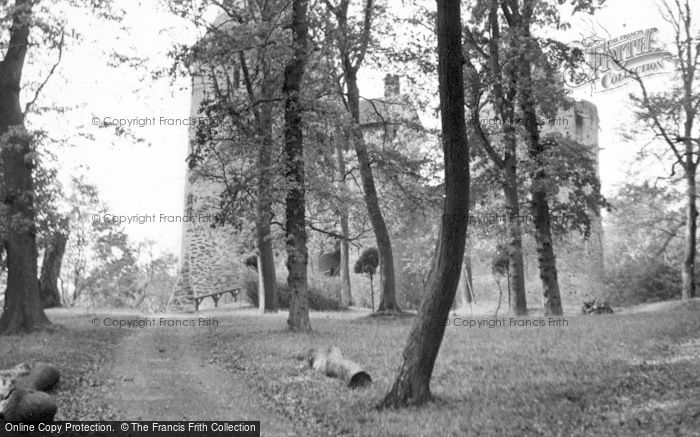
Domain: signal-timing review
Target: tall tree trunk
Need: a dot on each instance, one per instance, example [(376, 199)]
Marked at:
[(267, 287), (691, 231), (412, 385), (297, 254), (505, 105), (264, 212), (51, 270), (516, 266), (23, 308), (539, 203), (345, 290), (387, 281), (350, 65), (689, 71)]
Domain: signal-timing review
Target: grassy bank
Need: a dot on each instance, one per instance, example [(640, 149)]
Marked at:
[(627, 374)]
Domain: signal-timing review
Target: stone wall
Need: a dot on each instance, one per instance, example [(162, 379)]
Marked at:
[(209, 261)]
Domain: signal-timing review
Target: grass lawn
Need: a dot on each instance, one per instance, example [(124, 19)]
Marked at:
[(82, 354), (625, 374)]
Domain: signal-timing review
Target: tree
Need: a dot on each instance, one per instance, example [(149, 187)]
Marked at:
[(297, 254), (352, 49), (22, 311), (238, 61), (23, 308), (83, 200), (671, 116), (540, 89), (644, 245), (264, 122), (502, 77), (367, 264), (412, 384), (539, 201)]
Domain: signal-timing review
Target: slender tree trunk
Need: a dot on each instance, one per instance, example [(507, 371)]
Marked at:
[(412, 385), (268, 296), (505, 106), (516, 267), (261, 287), (691, 233), (387, 281), (23, 307), (51, 270), (469, 284), (689, 71), (464, 297), (264, 212), (345, 290), (539, 203), (297, 254)]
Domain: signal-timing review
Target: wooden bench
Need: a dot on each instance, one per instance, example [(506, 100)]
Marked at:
[(216, 296)]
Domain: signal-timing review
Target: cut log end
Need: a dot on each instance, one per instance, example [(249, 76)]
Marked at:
[(42, 377), (331, 363), (359, 380)]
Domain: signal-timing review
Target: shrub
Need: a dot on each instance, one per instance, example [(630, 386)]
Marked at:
[(367, 264), (643, 282), (320, 298)]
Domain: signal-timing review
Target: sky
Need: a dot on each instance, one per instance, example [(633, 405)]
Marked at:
[(148, 177)]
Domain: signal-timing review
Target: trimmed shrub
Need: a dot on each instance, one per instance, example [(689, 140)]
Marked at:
[(320, 298)]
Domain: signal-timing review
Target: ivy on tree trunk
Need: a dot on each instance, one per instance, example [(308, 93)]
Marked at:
[(297, 254), (23, 307)]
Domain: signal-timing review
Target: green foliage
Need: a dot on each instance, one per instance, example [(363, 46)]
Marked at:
[(644, 244), (320, 298), (368, 262), (571, 170), (632, 282), (102, 265), (500, 261)]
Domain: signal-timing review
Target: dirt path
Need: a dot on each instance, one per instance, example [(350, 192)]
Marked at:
[(160, 374)]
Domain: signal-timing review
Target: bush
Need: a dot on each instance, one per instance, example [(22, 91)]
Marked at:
[(643, 282), (321, 298)]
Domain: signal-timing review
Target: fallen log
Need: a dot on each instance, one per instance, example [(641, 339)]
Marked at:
[(42, 377), (29, 406), (22, 396), (331, 363)]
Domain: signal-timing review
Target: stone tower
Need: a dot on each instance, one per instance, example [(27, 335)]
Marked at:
[(580, 263), (208, 258)]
